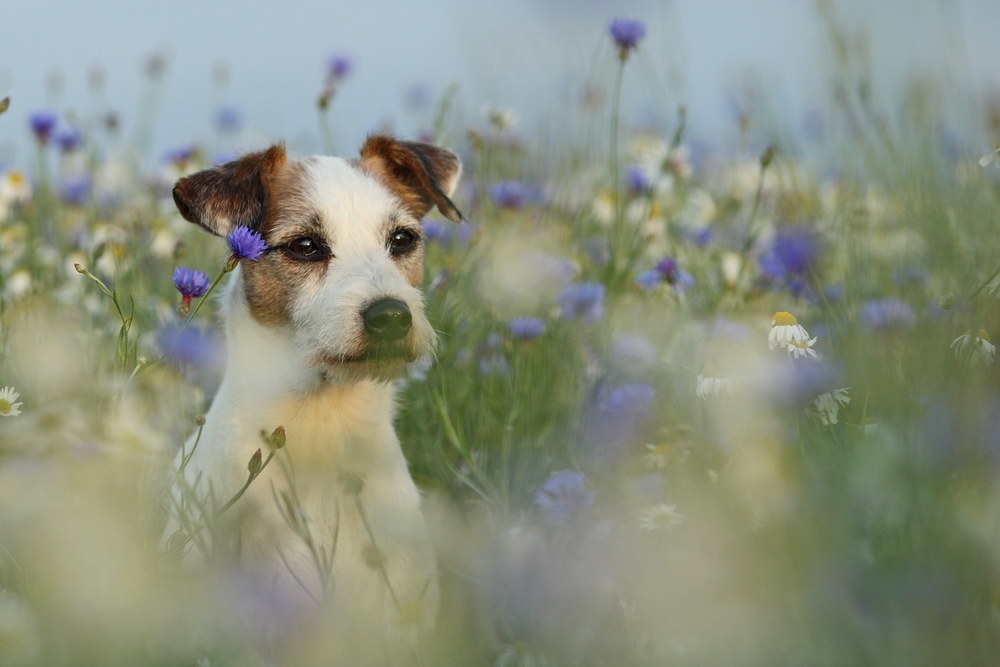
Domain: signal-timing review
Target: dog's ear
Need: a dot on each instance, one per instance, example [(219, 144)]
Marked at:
[(234, 194), (421, 175)]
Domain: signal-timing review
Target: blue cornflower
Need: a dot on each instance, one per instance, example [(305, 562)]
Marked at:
[(69, 140), (43, 123), (563, 497), (437, 230), (246, 244), (526, 328), (190, 346), (228, 119), (888, 315), (181, 156), (666, 271), (626, 33), (584, 300), (76, 191), (638, 179), (192, 284), (340, 66), (629, 399), (512, 194), (649, 280), (797, 250)]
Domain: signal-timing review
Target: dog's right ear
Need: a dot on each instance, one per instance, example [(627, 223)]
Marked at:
[(230, 195)]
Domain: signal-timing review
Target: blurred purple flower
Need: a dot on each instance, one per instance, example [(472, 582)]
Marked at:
[(888, 315), (417, 97), (666, 271), (69, 140), (436, 229), (43, 123), (634, 350), (228, 119), (563, 497), (246, 244), (584, 300), (703, 236), (796, 250), (638, 179), (493, 363), (181, 156), (464, 232), (339, 66), (192, 346), (513, 194), (526, 328), (649, 280), (626, 33), (76, 191), (617, 417)]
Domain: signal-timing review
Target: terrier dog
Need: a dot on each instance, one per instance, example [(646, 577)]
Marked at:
[(317, 331)]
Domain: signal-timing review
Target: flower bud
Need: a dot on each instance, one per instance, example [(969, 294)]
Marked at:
[(947, 302), (767, 157), (277, 439), (255, 465), (199, 420), (4, 104), (79, 268)]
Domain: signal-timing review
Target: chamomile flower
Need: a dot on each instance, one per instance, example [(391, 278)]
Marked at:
[(659, 517), (710, 384), (828, 405), (786, 332), (974, 348), (802, 348), (991, 157), (658, 457), (8, 405)]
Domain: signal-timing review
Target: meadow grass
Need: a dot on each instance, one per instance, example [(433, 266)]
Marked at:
[(688, 410)]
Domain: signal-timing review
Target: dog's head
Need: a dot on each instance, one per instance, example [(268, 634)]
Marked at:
[(344, 264)]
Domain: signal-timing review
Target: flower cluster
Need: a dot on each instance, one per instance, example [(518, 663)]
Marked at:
[(787, 334)]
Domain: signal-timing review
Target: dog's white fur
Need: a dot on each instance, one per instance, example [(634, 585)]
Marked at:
[(339, 424)]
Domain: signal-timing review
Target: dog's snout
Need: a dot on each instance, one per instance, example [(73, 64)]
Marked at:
[(387, 320)]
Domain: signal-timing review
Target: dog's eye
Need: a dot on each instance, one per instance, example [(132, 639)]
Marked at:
[(401, 241), (305, 248)]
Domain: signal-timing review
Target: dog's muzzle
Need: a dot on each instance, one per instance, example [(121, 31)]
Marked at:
[(387, 320)]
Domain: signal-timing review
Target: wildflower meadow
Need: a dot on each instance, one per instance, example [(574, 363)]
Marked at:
[(688, 406)]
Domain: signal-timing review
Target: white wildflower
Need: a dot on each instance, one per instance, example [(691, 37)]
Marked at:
[(786, 333), (709, 384), (828, 405), (989, 158), (9, 407), (659, 517), (974, 348)]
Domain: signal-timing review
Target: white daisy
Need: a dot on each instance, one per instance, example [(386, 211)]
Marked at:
[(659, 517), (802, 348), (658, 457), (990, 157), (711, 385), (8, 407), (974, 348), (785, 330), (828, 405)]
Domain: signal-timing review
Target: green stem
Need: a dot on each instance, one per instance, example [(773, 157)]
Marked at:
[(250, 479), (616, 99)]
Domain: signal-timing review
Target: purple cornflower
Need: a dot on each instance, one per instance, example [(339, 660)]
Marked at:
[(436, 230), (584, 300), (69, 140), (43, 123), (638, 179), (245, 244), (181, 156), (888, 315), (666, 271), (563, 497), (794, 254), (649, 280), (189, 346), (340, 66), (192, 284), (228, 119), (511, 194), (526, 328), (626, 33), (76, 191)]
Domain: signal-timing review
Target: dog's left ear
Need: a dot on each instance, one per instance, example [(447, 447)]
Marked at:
[(235, 194), (421, 175)]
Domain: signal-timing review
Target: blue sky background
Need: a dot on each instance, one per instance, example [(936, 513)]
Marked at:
[(530, 55)]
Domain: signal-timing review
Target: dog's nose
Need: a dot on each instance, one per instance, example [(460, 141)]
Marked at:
[(387, 320)]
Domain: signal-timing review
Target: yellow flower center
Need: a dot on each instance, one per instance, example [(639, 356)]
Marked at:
[(5, 406), (783, 319), (16, 178), (803, 344), (659, 450), (985, 336)]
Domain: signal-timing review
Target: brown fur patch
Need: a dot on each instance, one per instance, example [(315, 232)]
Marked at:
[(420, 175), (234, 194), (270, 283)]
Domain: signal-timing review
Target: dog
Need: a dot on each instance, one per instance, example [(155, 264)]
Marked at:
[(318, 330)]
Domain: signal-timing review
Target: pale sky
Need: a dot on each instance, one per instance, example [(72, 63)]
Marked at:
[(529, 55)]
